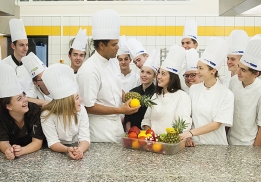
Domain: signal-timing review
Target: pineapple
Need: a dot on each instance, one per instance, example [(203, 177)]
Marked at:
[(144, 99), (179, 125)]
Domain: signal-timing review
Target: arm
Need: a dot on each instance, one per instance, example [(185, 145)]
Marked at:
[(123, 96), (39, 102), (58, 147), (6, 148), (146, 122), (258, 137), (35, 145)]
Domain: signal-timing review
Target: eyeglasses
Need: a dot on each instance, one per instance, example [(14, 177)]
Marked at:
[(191, 75)]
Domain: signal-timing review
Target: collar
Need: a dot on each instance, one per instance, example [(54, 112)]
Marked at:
[(252, 85), (103, 61), (15, 61)]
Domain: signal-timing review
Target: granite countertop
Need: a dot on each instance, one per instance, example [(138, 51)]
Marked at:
[(112, 162)]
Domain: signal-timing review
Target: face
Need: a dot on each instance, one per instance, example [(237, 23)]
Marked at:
[(77, 58), (203, 71), (18, 104), (147, 75), (110, 51), (140, 60), (232, 62), (244, 74), (21, 47), (78, 101), (163, 78), (124, 61), (187, 43), (39, 82), (191, 77)]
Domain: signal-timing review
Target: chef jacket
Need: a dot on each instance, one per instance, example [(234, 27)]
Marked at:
[(99, 82), (213, 105), (22, 74), (55, 132), (9, 131), (247, 114), (170, 107), (130, 81)]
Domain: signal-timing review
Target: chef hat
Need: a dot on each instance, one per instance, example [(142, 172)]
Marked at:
[(135, 47), (17, 29), (105, 25), (80, 40), (192, 58), (252, 56), (60, 81), (238, 40), (8, 81), (190, 30), (174, 60), (153, 61), (123, 49), (215, 53), (33, 64), (257, 36)]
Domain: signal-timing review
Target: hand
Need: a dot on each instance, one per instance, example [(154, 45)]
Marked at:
[(190, 143), (18, 150), (185, 135), (45, 103), (9, 153), (126, 109), (70, 150), (78, 153)]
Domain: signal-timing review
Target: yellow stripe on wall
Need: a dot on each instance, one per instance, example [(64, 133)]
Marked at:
[(144, 30)]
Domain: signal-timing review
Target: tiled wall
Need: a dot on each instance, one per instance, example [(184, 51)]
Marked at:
[(153, 32)]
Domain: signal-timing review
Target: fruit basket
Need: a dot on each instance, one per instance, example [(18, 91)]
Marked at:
[(153, 146)]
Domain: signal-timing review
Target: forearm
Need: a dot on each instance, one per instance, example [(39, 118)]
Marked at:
[(84, 145), (102, 110), (32, 147), (206, 128), (59, 147), (4, 145), (258, 137), (146, 127)]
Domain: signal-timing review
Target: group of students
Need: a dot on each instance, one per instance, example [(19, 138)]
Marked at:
[(73, 106)]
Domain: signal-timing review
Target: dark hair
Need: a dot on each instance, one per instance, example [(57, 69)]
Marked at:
[(173, 86), (216, 74), (14, 42), (254, 71), (97, 42), (3, 102), (194, 41), (35, 78), (71, 49), (128, 56)]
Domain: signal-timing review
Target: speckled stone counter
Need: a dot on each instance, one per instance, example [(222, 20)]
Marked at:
[(112, 162)]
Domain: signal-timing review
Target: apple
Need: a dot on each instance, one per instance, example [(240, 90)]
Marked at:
[(134, 129), (150, 131)]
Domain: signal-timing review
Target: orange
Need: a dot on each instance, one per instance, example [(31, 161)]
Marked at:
[(135, 144), (156, 147), (132, 135), (142, 141), (134, 103)]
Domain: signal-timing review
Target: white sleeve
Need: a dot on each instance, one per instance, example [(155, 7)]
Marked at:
[(31, 92), (84, 131), (258, 109), (49, 129), (147, 117)]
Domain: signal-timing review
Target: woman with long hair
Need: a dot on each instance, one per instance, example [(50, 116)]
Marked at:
[(64, 120), (172, 102)]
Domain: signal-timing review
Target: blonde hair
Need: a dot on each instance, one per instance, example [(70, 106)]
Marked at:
[(64, 107)]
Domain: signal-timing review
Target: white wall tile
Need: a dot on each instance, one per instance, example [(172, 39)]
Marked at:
[(38, 21), (170, 21), (249, 21), (201, 40), (56, 21), (149, 48), (142, 39), (47, 21), (84, 21), (56, 40), (56, 49), (66, 49), (74, 21), (229, 21), (159, 47), (131, 21), (201, 21), (66, 21), (23, 19), (219, 21), (123, 21), (65, 40), (29, 21), (161, 21), (170, 40), (257, 21), (239, 21), (210, 21), (55, 58), (49, 49), (151, 21), (151, 41), (141, 21), (180, 21), (160, 41), (178, 40), (190, 18)]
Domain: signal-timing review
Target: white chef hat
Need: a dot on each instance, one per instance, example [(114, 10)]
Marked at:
[(190, 30), (80, 40), (135, 47), (215, 53), (192, 58), (123, 49), (33, 64), (8, 81), (252, 56), (257, 36), (60, 81), (174, 60), (17, 29), (238, 40), (105, 25), (153, 61)]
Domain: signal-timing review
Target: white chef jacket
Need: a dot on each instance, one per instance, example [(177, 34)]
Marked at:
[(35, 92), (215, 104), (22, 74), (225, 80), (130, 81), (54, 131), (247, 114), (99, 82), (169, 108)]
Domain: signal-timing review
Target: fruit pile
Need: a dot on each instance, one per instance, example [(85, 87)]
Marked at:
[(137, 99), (166, 143)]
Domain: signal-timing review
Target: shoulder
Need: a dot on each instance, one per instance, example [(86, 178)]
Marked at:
[(33, 108), (8, 58), (136, 89)]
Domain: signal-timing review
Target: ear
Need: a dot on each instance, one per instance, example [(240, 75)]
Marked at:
[(9, 107), (69, 56), (257, 74), (196, 45), (101, 46), (12, 45)]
